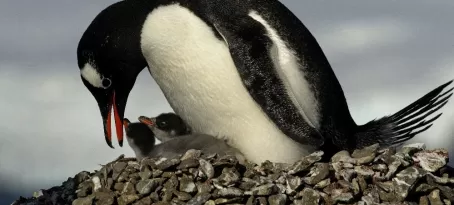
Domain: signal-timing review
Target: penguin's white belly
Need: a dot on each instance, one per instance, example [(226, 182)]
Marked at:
[(196, 72)]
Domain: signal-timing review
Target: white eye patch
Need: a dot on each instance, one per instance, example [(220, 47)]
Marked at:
[(91, 75)]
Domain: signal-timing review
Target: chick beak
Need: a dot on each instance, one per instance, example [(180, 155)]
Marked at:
[(148, 121)]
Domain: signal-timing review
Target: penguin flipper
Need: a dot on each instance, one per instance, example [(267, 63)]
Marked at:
[(250, 48)]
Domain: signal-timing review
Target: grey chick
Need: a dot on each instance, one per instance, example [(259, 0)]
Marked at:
[(166, 126), (175, 142)]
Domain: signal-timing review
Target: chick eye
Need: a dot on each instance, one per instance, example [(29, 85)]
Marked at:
[(162, 124), (106, 82)]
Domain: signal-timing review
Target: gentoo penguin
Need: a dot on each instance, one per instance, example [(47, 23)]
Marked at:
[(166, 126), (140, 138), (142, 141), (248, 70)]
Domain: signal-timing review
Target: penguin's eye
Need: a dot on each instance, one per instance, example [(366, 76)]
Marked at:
[(106, 82)]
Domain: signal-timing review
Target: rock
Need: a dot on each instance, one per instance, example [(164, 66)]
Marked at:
[(365, 155), (96, 183), (248, 184), (293, 184), (393, 165), (210, 202), (229, 176), (83, 201), (410, 176), (172, 182), (230, 192), (162, 203), (128, 188), (370, 200), (182, 196), (405, 180), (279, 199), (263, 190), (345, 174), (226, 161), (342, 156), (432, 160), (187, 185), (146, 186), (145, 174), (144, 201), (424, 188), (85, 188), (104, 198), (318, 173), (203, 187), (82, 176), (165, 164), (191, 154), (434, 198), (156, 173), (207, 168), (386, 186), (127, 199), (261, 200), (310, 197), (447, 192), (441, 180), (188, 163), (305, 163), (119, 166), (364, 171), (227, 201), (167, 195), (362, 183), (410, 149), (379, 167), (154, 196), (322, 184), (423, 200), (341, 196)]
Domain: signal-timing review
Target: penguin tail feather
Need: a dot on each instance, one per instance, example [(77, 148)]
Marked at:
[(395, 129)]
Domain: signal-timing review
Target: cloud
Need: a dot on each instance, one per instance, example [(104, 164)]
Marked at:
[(364, 35)]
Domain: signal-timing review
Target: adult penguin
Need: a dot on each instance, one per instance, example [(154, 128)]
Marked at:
[(248, 71)]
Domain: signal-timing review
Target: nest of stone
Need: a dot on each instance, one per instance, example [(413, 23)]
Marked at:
[(410, 175)]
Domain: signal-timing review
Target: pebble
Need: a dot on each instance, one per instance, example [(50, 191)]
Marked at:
[(310, 197), (279, 199), (127, 199), (431, 160), (207, 168), (368, 176), (187, 185), (146, 186)]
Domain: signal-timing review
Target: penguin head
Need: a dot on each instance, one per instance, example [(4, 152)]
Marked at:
[(166, 126), (110, 59), (139, 136)]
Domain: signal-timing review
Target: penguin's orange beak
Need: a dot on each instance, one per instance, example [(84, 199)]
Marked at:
[(146, 120), (118, 112)]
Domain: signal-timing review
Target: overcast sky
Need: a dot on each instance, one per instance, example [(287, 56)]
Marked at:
[(386, 54)]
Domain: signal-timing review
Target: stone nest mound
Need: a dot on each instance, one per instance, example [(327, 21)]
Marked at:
[(410, 175)]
